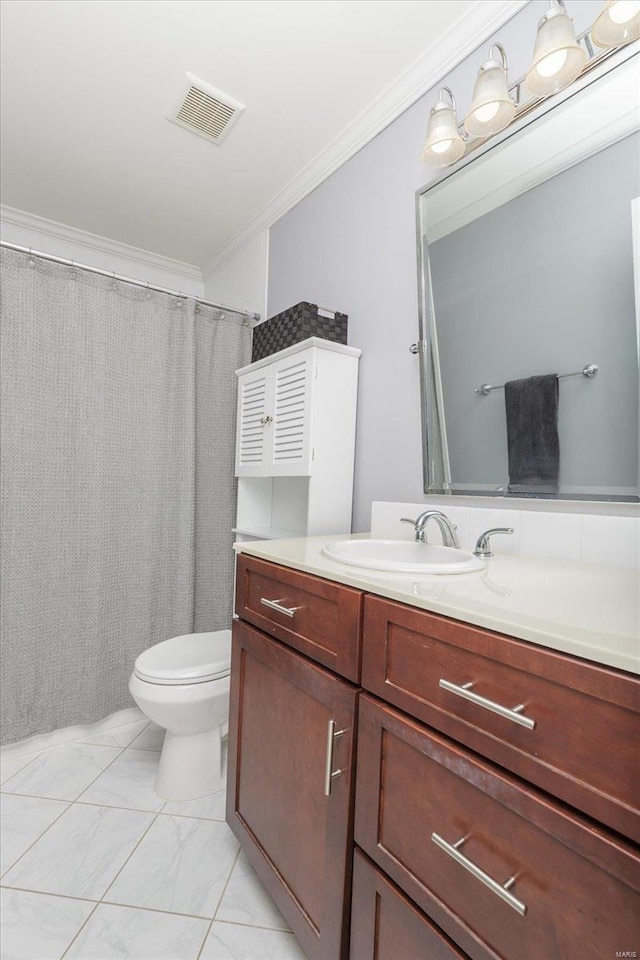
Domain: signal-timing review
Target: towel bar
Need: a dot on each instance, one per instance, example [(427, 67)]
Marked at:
[(590, 371)]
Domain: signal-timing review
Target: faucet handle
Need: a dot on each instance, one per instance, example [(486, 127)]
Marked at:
[(483, 547), (414, 524)]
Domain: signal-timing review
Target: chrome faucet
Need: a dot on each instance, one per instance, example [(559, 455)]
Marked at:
[(447, 528)]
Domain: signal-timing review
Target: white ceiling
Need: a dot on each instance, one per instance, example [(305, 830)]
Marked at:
[(86, 85)]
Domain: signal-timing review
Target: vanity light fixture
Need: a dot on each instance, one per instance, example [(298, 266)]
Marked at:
[(617, 23), (444, 144), (558, 58), (492, 108)]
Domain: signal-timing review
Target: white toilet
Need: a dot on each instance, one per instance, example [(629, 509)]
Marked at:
[(182, 684)]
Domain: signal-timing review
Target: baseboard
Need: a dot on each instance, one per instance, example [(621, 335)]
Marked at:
[(45, 741)]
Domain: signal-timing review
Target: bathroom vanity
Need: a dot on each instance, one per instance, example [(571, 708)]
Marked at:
[(415, 774)]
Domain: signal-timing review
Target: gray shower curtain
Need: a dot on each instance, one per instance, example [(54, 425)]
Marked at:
[(118, 497)]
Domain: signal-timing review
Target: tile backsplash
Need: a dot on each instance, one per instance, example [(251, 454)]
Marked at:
[(588, 538)]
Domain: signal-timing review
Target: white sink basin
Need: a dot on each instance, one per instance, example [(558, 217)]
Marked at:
[(402, 556)]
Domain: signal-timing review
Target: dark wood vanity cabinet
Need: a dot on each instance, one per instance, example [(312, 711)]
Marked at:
[(467, 831)]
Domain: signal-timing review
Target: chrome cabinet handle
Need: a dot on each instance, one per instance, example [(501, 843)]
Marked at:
[(329, 774), (500, 889), (265, 420), (509, 713), (276, 605)]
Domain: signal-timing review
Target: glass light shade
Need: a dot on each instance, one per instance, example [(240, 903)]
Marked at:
[(492, 108), (557, 57), (444, 144), (618, 23)]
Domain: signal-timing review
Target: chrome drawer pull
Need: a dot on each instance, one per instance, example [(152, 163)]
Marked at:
[(513, 713), (275, 605), (501, 890), (329, 774)]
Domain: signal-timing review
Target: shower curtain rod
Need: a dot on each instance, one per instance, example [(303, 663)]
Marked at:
[(136, 283)]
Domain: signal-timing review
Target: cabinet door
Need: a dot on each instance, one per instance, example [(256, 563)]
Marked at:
[(297, 838), (290, 439), (385, 925), (253, 431)]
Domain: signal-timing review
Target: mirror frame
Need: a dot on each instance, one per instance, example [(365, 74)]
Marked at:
[(432, 464)]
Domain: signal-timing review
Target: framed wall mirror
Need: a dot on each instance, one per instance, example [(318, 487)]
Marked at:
[(529, 264)]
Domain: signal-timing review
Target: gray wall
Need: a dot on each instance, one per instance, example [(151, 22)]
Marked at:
[(351, 246), (544, 284)]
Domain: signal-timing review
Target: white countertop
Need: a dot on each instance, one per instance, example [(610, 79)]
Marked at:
[(587, 610)]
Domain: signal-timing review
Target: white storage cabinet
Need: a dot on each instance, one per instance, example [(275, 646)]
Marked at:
[(295, 441)]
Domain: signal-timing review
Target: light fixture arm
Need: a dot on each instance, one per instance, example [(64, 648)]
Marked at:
[(501, 51), (448, 90)]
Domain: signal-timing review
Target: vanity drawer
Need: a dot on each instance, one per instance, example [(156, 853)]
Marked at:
[(386, 925), (583, 746), (319, 618), (418, 796)]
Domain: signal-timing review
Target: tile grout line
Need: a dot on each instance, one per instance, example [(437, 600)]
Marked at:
[(86, 899), (131, 906), (64, 799), (69, 803), (68, 743), (106, 806), (9, 779), (189, 816), (104, 898), (125, 906), (113, 806), (255, 926), (82, 792), (130, 855), (42, 893), (77, 933), (224, 890)]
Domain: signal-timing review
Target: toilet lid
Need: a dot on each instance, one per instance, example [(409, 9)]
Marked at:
[(193, 658)]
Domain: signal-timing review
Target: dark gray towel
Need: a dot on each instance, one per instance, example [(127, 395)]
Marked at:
[(532, 434)]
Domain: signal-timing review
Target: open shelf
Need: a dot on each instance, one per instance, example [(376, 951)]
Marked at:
[(267, 533)]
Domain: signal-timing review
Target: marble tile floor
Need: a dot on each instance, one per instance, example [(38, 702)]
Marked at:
[(94, 865)]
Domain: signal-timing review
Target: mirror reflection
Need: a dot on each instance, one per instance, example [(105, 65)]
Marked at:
[(531, 273)]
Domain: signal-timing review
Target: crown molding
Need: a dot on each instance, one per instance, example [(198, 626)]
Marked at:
[(438, 59), (93, 242)]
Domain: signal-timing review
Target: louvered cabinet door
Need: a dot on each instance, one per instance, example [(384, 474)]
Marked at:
[(253, 431), (290, 436)]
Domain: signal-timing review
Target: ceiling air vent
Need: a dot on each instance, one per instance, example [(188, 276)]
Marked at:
[(205, 110)]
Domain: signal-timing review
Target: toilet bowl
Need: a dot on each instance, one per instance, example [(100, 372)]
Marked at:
[(182, 684)]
